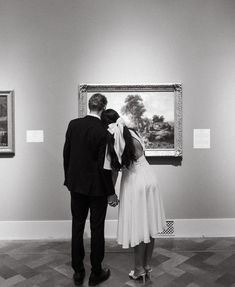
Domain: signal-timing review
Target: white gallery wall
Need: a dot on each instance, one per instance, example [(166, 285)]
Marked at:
[(49, 47)]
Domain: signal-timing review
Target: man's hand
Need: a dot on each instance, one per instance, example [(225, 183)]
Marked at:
[(113, 200)]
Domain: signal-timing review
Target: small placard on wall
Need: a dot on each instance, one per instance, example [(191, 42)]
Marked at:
[(201, 138), (35, 136)]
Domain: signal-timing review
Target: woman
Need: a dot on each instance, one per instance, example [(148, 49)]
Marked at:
[(141, 214)]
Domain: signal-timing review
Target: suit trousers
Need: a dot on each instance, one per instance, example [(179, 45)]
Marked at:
[(80, 205)]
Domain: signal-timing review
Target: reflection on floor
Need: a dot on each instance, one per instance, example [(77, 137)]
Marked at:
[(176, 263)]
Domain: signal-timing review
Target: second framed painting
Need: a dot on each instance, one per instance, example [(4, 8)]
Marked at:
[(155, 111), (7, 130)]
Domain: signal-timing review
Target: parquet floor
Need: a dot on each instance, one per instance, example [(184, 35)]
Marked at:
[(176, 263)]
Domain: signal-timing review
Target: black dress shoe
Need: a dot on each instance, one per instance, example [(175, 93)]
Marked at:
[(98, 278), (78, 277)]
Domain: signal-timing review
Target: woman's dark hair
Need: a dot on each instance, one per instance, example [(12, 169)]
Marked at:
[(128, 157)]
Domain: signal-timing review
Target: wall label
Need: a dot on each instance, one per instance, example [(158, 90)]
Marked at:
[(35, 136), (201, 138)]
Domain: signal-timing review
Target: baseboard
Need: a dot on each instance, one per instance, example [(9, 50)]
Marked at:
[(205, 227), (61, 229)]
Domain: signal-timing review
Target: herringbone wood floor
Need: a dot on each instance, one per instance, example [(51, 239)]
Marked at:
[(176, 263)]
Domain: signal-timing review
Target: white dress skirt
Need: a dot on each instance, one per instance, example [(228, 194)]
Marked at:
[(141, 213)]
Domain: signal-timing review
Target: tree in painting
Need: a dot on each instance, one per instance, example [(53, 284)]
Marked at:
[(156, 131), (134, 108)]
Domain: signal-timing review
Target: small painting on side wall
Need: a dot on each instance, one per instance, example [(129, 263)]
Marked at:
[(6, 122), (3, 121), (155, 111)]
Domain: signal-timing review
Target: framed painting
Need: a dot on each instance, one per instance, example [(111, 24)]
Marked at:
[(7, 144), (155, 111)]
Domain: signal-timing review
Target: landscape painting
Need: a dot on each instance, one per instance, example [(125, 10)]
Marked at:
[(3, 121), (154, 111)]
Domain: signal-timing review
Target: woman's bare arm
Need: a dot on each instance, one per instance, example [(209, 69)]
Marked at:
[(114, 177)]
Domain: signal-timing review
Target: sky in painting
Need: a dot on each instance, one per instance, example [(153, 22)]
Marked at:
[(156, 103)]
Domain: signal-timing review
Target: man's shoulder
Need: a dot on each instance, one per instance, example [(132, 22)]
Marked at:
[(75, 121), (87, 122), (73, 124)]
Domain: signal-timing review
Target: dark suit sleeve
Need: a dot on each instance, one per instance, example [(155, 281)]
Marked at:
[(66, 153), (105, 174)]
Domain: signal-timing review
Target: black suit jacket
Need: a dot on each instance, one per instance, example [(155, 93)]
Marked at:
[(84, 152)]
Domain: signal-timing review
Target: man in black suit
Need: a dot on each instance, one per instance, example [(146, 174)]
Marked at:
[(90, 186)]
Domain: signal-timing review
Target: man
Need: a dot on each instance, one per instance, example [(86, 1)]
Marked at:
[(90, 186)]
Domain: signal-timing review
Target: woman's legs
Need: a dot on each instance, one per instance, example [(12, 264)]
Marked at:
[(143, 254), (142, 257), (148, 254), (139, 256)]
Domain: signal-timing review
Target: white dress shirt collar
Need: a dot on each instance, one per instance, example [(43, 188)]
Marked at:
[(94, 115)]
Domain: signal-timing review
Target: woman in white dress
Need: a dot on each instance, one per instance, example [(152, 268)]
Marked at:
[(141, 214)]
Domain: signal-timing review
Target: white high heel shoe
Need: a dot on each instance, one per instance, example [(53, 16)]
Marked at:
[(148, 269), (138, 276)]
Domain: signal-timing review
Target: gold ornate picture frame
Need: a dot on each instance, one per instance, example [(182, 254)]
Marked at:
[(155, 111)]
